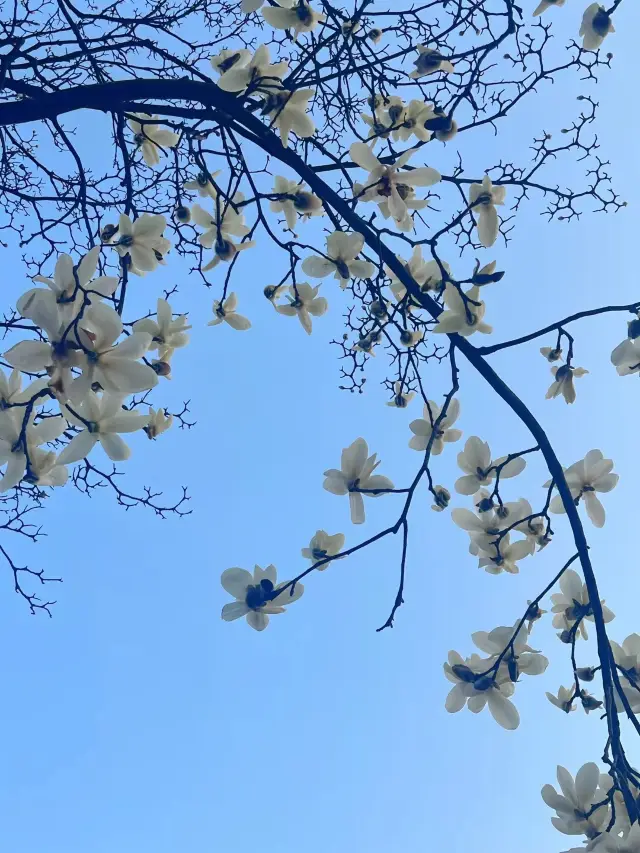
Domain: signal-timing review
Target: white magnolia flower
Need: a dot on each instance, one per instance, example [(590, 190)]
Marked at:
[(69, 286), (475, 461), (343, 248), (575, 802), (533, 528), (287, 110), (229, 58), (422, 428), (505, 557), (551, 353), (303, 303), (429, 61), (385, 184), (427, 274), (400, 399), (484, 198), (159, 421), (443, 127), (463, 314), (218, 228), (441, 497), (166, 333), (412, 122), (151, 138), (626, 356), (546, 4), (294, 201), (484, 527), (521, 659), (563, 700), (627, 657), (11, 392), (256, 595), (45, 469), (629, 843), (586, 477), (202, 185), (226, 312), (596, 26), (12, 445), (356, 472), (571, 604), (563, 382), (323, 545), (101, 419), (114, 366), (258, 73), (141, 240), (302, 18), (475, 690)]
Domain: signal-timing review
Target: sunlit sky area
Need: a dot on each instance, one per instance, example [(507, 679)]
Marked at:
[(136, 721)]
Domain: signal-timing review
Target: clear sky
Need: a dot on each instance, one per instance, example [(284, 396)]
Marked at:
[(136, 720)]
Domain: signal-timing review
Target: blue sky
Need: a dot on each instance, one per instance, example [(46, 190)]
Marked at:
[(135, 720)]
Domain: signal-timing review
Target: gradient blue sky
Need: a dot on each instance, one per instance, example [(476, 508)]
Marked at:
[(135, 720)]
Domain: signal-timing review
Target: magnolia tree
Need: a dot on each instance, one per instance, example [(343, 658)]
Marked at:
[(325, 132)]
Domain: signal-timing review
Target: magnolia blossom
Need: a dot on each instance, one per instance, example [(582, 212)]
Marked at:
[(586, 477), (166, 333), (151, 137), (412, 122), (70, 286), (102, 419), (443, 126), (534, 528), (475, 461), (505, 556), (475, 690), (294, 201), (596, 26), (575, 802), (629, 843), (627, 657), (429, 61), (202, 185), (484, 197), (563, 699), (343, 248), (546, 4), (303, 303), (257, 73), (463, 313), (441, 498), (427, 274), (302, 18), (520, 659), (256, 595), (572, 604), (14, 447), (45, 468), (563, 382), (551, 353), (141, 241), (423, 428), (385, 183), (114, 366), (158, 422), (226, 312), (218, 231), (288, 110), (11, 392), (400, 399), (626, 356), (323, 545), (484, 527), (356, 474)]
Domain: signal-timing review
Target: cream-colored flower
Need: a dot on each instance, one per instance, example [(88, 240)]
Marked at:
[(546, 4), (150, 137), (463, 313), (483, 198), (563, 699), (480, 470), (430, 61), (563, 382), (288, 111), (400, 399), (304, 303), (257, 595), (596, 26), (343, 249), (258, 74), (584, 478), (226, 312), (323, 545), (356, 477), (422, 428), (159, 422), (302, 18), (294, 200)]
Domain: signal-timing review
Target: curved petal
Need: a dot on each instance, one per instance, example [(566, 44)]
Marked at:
[(234, 610), (235, 581), (503, 711), (114, 446), (356, 506), (78, 448), (30, 356), (488, 226), (594, 508), (318, 267), (455, 700), (257, 620)]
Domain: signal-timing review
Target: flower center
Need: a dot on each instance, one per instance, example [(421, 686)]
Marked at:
[(259, 594)]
